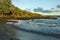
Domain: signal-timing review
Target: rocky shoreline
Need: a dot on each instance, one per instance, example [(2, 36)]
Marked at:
[(7, 32)]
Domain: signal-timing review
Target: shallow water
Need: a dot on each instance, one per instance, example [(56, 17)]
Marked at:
[(23, 35)]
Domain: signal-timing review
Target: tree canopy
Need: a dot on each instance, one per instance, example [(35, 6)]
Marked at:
[(7, 8)]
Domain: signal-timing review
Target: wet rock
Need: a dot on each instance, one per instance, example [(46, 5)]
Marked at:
[(14, 39)]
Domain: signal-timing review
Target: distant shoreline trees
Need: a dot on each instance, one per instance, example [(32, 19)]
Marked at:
[(8, 9)]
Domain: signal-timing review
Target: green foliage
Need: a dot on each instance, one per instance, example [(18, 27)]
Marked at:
[(7, 8), (4, 6)]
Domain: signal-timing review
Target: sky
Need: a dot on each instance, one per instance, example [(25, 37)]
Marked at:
[(36, 4), (46, 4)]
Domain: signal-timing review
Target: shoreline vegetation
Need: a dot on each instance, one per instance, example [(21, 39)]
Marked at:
[(10, 11), (25, 18)]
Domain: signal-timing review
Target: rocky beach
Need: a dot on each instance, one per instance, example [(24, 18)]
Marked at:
[(6, 31)]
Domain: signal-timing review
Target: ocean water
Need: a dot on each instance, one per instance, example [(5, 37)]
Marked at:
[(46, 26)]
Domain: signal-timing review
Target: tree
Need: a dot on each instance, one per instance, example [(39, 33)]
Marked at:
[(4, 6)]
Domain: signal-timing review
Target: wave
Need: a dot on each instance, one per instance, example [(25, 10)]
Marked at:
[(40, 27)]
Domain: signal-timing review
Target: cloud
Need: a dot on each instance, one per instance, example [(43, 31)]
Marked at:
[(38, 9), (41, 10), (58, 6), (47, 11)]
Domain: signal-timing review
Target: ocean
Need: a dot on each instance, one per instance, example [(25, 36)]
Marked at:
[(38, 29)]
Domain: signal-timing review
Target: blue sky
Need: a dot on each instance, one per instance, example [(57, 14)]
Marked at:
[(31, 4)]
